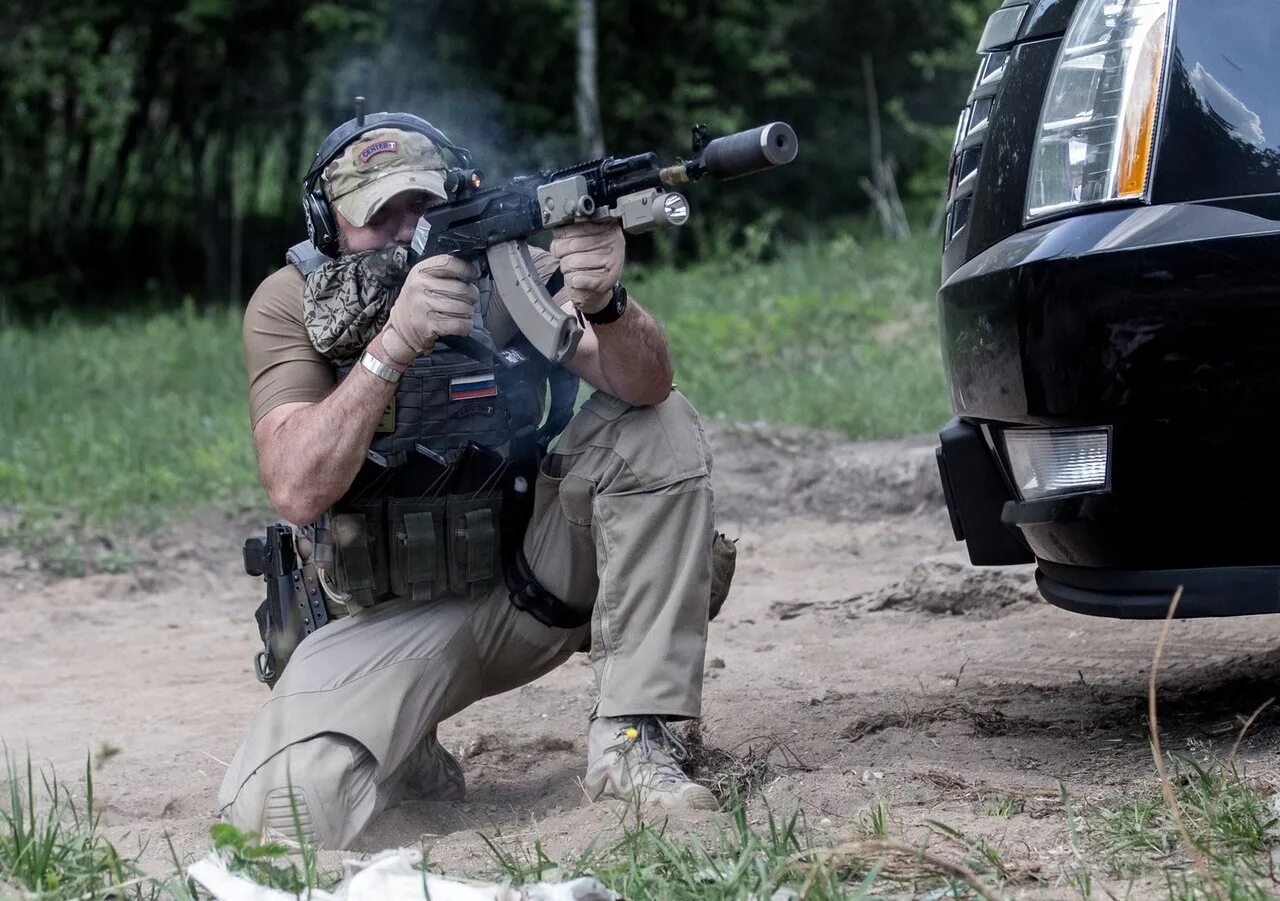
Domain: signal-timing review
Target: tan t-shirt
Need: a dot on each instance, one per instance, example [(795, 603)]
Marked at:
[(282, 364)]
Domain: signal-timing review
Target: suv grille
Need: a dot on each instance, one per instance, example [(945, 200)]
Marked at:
[(975, 121), (971, 131)]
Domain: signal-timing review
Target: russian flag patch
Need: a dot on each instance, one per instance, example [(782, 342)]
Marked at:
[(469, 387)]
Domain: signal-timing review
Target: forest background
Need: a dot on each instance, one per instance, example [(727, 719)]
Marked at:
[(155, 149)]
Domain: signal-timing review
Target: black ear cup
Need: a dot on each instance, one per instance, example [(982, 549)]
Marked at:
[(322, 229)]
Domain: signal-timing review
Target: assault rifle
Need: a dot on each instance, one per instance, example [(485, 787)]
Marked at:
[(491, 224)]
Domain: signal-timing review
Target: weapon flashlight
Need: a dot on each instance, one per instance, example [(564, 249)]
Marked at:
[(675, 209)]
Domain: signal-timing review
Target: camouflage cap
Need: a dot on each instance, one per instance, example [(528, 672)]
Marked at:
[(382, 164)]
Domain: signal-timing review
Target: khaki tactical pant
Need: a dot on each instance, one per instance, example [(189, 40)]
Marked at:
[(622, 524)]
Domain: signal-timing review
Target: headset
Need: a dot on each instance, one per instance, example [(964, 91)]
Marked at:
[(322, 228)]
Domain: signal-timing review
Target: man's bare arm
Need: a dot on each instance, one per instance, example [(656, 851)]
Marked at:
[(629, 358), (309, 453)]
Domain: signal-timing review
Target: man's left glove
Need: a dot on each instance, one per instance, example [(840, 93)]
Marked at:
[(591, 256)]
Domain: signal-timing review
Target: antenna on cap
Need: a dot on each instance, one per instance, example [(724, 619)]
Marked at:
[(360, 111)]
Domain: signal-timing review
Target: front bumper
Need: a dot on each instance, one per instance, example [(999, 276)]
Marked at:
[(1211, 591), (1162, 323), (986, 515)]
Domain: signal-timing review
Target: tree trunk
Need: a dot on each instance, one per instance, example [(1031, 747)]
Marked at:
[(235, 205), (295, 126), (590, 128)]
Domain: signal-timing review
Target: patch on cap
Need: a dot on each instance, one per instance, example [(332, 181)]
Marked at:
[(376, 148)]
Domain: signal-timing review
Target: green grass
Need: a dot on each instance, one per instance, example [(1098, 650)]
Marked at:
[(133, 418), (740, 861), (839, 334), (1005, 806), (52, 849), (51, 846), (1230, 822), (124, 419)]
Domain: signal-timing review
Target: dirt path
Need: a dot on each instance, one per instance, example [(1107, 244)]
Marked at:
[(835, 668)]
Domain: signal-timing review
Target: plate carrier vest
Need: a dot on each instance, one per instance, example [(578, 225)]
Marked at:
[(448, 478)]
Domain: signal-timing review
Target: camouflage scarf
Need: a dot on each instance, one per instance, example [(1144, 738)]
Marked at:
[(347, 300)]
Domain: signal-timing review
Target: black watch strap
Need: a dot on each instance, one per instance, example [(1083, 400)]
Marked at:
[(613, 310)]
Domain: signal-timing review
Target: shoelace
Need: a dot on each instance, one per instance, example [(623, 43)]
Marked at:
[(667, 740), (653, 734)]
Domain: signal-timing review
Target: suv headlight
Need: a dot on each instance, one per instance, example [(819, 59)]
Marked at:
[(1097, 125)]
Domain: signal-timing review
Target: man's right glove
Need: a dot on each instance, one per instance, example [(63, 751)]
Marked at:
[(591, 256), (438, 298)]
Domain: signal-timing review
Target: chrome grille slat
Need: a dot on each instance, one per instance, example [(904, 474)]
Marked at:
[(974, 122)]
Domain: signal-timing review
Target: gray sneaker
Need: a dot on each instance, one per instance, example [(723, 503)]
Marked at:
[(637, 759), (433, 774)]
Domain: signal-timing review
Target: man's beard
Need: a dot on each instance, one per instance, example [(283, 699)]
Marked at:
[(344, 246)]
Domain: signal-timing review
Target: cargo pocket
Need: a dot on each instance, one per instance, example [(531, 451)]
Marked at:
[(360, 552), (473, 543), (417, 562), (605, 405), (724, 560)]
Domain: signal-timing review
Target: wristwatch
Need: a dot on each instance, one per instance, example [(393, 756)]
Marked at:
[(612, 311), (379, 368)]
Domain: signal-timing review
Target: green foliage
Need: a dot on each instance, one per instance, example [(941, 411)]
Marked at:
[(740, 861), (50, 845), (875, 820), (998, 804), (835, 335), (271, 863), (136, 418), (162, 143), (1227, 818), (1231, 824), (128, 419)]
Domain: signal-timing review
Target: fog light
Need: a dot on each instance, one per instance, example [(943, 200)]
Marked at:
[(1051, 462)]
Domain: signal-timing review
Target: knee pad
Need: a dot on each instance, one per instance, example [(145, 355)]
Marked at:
[(321, 791), (286, 812)]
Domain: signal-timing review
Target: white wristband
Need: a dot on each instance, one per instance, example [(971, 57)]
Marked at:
[(379, 368)]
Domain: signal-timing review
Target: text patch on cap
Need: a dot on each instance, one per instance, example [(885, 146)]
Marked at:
[(378, 147)]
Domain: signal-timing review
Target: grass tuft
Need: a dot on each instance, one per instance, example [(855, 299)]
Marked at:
[(1226, 816), (288, 867), (739, 861), (50, 845)]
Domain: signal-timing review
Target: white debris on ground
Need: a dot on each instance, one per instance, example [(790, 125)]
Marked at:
[(393, 876)]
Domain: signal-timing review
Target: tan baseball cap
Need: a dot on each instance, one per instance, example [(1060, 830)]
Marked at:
[(382, 164)]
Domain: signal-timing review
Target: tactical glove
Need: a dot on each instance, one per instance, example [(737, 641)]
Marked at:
[(438, 298), (591, 256)]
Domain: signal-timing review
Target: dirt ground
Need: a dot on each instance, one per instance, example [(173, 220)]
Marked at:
[(859, 661)]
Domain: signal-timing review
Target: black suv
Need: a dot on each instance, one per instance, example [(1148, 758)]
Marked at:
[(1110, 306)]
